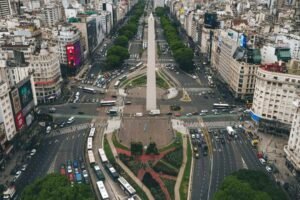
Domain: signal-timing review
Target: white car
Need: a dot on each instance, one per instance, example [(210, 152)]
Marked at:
[(189, 114), (33, 151), (194, 77), (269, 169), (24, 167), (262, 161), (193, 136), (69, 169)]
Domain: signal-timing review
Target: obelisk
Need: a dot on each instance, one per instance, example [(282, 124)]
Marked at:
[(151, 54)]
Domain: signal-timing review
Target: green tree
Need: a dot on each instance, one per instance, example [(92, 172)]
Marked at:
[(152, 149), (121, 41), (116, 50), (184, 57), (55, 186), (249, 184), (113, 61), (136, 148)]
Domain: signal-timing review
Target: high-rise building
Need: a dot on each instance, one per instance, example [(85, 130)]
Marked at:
[(46, 75), (52, 14), (275, 91), (5, 8), (292, 149)]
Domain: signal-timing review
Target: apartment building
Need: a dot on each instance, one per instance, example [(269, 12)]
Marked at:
[(237, 65), (46, 75), (69, 48), (292, 149), (5, 8), (52, 14), (275, 91)]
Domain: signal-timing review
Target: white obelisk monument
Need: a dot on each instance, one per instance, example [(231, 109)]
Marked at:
[(151, 81)]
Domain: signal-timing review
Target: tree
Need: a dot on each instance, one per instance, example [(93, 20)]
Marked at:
[(249, 184), (136, 148), (118, 51), (113, 61), (184, 57), (152, 149), (121, 41), (55, 186)]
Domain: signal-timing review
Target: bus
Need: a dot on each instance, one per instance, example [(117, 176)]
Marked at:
[(90, 143), (117, 84), (107, 102), (132, 69), (89, 90), (91, 157), (123, 78), (92, 132), (221, 105), (126, 187), (102, 155), (139, 64), (102, 190), (111, 171)]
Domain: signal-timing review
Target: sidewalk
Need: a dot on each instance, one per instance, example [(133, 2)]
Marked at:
[(125, 168), (181, 171)]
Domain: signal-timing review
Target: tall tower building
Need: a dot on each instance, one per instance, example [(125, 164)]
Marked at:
[(151, 80), (5, 8)]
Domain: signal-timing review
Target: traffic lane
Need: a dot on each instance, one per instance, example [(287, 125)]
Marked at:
[(185, 80), (71, 108), (39, 164), (200, 178)]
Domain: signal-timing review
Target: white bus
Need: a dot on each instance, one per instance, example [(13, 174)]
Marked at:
[(126, 187), (107, 102), (123, 78), (90, 143), (92, 132), (117, 84), (139, 64), (102, 155), (89, 90), (102, 190), (91, 157)]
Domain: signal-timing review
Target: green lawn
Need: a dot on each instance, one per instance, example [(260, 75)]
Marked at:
[(117, 144), (170, 185), (108, 152), (184, 186), (176, 143)]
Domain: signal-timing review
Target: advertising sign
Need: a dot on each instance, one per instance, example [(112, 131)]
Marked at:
[(20, 120), (15, 98), (74, 54), (25, 93)]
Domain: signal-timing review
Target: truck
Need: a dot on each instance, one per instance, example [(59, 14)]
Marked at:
[(230, 131), (154, 112), (99, 173), (78, 177), (9, 193)]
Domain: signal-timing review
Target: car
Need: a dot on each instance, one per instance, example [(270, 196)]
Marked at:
[(48, 129), (204, 111), (85, 176), (194, 77), (195, 113), (269, 169), (197, 136), (188, 114), (63, 169), (197, 155), (33, 151), (69, 169), (262, 161), (71, 177), (62, 124), (75, 164), (195, 149), (193, 136), (24, 167), (52, 110)]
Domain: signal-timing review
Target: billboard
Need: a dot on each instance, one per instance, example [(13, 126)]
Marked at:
[(211, 20), (92, 34), (22, 103), (74, 54)]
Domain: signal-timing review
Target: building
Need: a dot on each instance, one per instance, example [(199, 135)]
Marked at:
[(5, 8), (272, 53), (236, 64), (292, 149), (46, 75), (69, 48), (158, 3), (7, 121), (52, 14), (275, 91)]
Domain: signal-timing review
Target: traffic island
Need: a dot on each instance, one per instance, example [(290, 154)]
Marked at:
[(185, 97)]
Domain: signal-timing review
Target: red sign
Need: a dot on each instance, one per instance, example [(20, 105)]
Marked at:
[(20, 120)]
